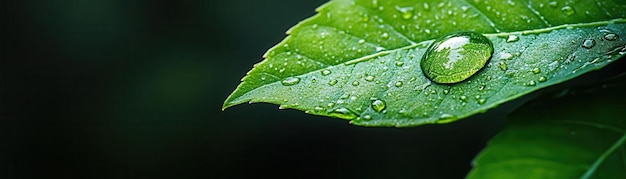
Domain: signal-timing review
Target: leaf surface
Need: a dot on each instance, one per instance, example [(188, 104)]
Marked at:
[(581, 136), (356, 53)]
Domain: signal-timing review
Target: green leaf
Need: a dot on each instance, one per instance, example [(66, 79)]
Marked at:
[(581, 136), (354, 53)]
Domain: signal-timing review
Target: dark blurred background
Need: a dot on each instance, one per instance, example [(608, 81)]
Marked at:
[(134, 89)]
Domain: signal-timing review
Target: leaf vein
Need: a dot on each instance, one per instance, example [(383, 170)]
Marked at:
[(324, 65), (389, 27), (603, 9), (351, 35), (536, 13), (480, 13)]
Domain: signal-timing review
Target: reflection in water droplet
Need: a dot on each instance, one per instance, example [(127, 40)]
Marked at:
[(369, 78), (568, 11), (332, 82), (456, 57), (326, 72), (589, 43), (512, 38), (343, 113), (611, 36), (290, 81), (536, 70)]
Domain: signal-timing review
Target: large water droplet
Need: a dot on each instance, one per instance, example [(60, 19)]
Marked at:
[(456, 57), (378, 105), (290, 81), (589, 43), (343, 113)]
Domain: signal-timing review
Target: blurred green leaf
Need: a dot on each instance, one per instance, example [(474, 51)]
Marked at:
[(578, 136), (360, 60)]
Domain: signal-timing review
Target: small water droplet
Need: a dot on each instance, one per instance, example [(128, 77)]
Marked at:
[(482, 101), (326, 72), (456, 57), (290, 81), (361, 41), (313, 80), (536, 70), (343, 113), (445, 118), (553, 4), (446, 91), (378, 105), (330, 105), (318, 108), (369, 78), (512, 38), (482, 87), (464, 98), (332, 82), (503, 66), (589, 43), (399, 84), (367, 117), (532, 83), (611, 36), (568, 11), (543, 79), (407, 12), (399, 64), (505, 56), (385, 35), (355, 83)]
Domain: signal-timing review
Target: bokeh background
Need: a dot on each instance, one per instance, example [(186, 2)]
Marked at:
[(134, 89)]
